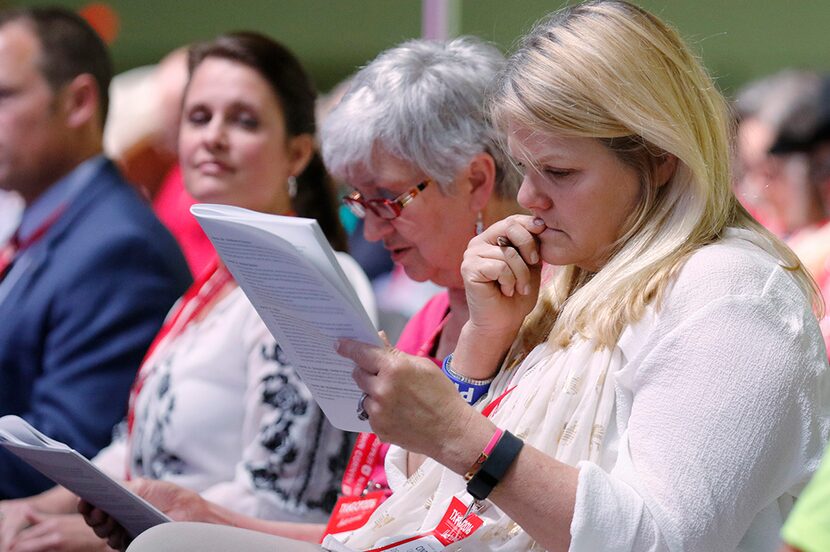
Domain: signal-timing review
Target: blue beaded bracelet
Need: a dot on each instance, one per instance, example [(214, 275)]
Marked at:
[(471, 390)]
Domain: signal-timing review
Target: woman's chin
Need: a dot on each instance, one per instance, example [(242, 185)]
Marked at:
[(560, 258), (415, 273), (211, 196)]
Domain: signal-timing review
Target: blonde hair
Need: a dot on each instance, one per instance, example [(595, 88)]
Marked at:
[(612, 71)]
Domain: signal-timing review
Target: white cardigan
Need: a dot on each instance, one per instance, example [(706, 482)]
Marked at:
[(720, 417), (722, 414)]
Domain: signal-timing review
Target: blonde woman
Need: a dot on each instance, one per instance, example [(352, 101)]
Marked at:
[(675, 402)]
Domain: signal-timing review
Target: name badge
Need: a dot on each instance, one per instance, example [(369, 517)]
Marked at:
[(352, 512), (452, 528)]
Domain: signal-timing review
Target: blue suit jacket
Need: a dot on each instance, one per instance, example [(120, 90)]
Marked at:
[(77, 313)]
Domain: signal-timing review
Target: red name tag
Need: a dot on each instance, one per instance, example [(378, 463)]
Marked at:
[(352, 512), (452, 528)]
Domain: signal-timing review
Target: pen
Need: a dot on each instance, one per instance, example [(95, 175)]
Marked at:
[(504, 241)]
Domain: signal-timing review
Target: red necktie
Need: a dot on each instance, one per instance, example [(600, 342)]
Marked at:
[(7, 254), (15, 245)]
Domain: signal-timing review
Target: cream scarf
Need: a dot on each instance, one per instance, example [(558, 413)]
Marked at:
[(562, 404)]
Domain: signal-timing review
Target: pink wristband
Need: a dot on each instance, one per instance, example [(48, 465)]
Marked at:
[(484, 455), (493, 440)]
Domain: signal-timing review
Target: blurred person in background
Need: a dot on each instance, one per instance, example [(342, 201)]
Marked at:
[(424, 186), (216, 407), (775, 188), (808, 527), (141, 136), (89, 274), (804, 135), (141, 127)]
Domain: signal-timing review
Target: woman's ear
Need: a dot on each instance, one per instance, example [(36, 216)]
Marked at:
[(666, 167), (481, 179), (300, 151)]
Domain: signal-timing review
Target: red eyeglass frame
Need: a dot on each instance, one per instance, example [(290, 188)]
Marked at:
[(387, 209)]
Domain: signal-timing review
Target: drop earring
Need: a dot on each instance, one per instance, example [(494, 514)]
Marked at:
[(292, 186), (479, 224)]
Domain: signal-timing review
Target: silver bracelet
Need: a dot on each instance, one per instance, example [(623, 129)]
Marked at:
[(463, 379)]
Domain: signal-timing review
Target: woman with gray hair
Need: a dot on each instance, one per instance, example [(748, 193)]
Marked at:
[(413, 139), (413, 124)]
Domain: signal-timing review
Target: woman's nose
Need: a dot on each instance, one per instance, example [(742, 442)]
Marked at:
[(532, 196), (374, 227), (215, 135)]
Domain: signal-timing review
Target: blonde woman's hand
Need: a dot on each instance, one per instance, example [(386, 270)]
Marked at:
[(502, 270)]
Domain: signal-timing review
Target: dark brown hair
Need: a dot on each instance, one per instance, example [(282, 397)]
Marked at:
[(296, 95), (69, 47)]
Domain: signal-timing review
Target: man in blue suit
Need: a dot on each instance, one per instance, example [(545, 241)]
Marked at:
[(90, 273)]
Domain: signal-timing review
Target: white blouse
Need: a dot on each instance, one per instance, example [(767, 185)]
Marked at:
[(223, 413), (722, 414), (719, 415)]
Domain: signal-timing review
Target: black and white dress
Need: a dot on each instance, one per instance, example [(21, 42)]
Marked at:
[(223, 413)]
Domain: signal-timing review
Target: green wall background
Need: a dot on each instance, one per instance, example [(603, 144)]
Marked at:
[(738, 39)]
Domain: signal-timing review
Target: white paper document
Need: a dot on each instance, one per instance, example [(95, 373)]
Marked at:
[(290, 274), (70, 469)]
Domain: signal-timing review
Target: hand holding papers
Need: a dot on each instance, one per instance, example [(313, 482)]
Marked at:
[(294, 280), (67, 467)]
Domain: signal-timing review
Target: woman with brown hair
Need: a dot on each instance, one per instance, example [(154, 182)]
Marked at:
[(216, 406)]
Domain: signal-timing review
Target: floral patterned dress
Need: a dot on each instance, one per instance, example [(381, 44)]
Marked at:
[(222, 412)]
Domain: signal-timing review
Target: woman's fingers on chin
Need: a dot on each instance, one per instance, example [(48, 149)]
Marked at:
[(507, 283), (523, 242), (519, 270), (488, 270)]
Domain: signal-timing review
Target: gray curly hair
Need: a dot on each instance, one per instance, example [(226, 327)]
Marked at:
[(425, 103)]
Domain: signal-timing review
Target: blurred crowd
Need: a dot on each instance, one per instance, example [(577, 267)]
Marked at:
[(782, 169)]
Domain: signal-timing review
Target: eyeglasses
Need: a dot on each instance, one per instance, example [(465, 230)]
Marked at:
[(387, 209)]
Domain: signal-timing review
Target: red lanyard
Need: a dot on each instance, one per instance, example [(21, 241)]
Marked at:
[(15, 246), (366, 451), (190, 306), (492, 406), (367, 446), (362, 461)]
